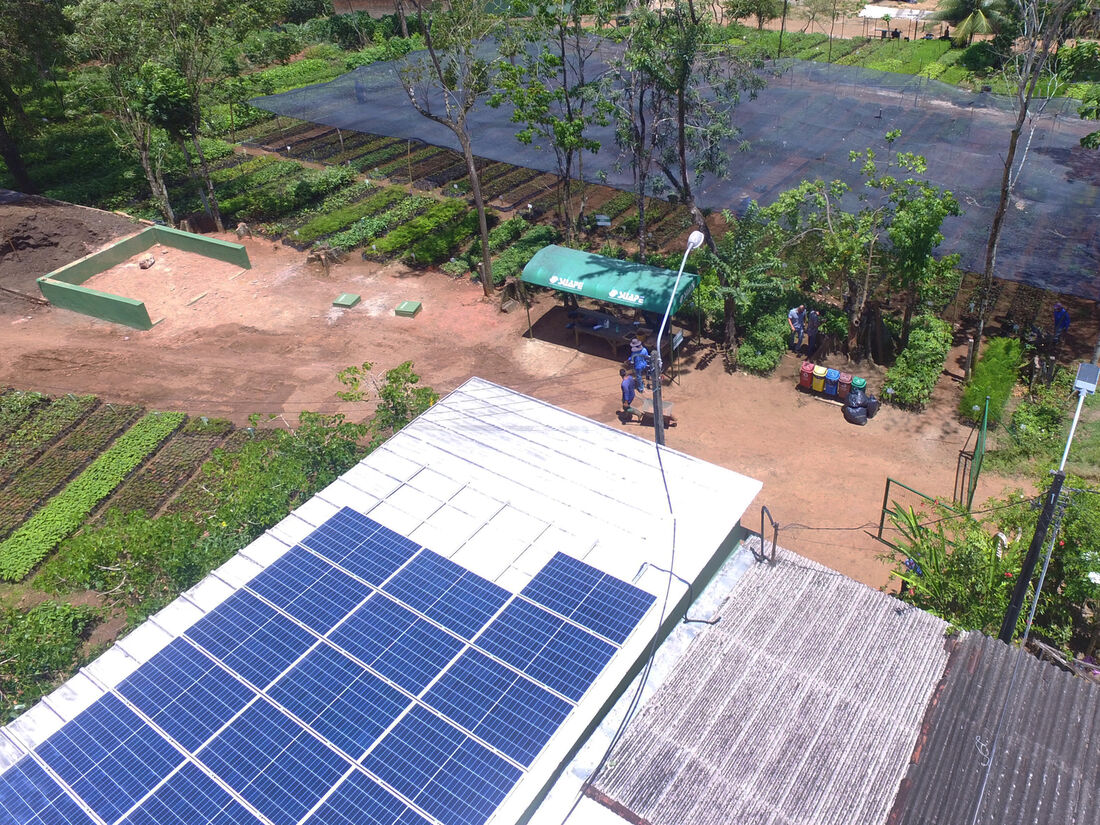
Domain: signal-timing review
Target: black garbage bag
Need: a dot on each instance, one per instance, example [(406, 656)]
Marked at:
[(855, 415), (872, 406), (856, 399)]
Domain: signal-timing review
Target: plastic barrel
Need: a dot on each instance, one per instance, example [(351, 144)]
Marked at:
[(859, 383), (843, 385), (819, 378), (806, 375), (831, 378)]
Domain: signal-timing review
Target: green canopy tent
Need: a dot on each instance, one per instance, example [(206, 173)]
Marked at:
[(607, 279)]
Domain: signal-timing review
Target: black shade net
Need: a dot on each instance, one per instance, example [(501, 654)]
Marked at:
[(802, 126)]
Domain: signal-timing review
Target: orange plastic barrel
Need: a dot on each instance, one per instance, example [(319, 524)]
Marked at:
[(819, 378), (806, 375)]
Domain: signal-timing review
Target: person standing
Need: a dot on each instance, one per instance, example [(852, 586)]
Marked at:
[(796, 320), (629, 388), (1061, 322), (639, 361), (813, 330)]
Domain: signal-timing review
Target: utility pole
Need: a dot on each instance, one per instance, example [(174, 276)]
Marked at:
[(1088, 375)]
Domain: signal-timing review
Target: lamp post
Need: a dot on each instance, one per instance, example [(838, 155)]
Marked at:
[(1088, 376), (695, 240)]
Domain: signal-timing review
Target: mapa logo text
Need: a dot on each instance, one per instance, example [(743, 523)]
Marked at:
[(566, 283), (630, 297)]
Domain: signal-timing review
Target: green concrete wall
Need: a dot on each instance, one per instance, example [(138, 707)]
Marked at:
[(101, 305), (231, 253), (84, 268), (62, 287)]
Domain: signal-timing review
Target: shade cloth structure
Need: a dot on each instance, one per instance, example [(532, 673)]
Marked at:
[(803, 126), (607, 279)]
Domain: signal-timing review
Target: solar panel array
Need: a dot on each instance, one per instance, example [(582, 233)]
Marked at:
[(358, 680)]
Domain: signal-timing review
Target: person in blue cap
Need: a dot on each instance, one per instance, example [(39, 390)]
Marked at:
[(639, 361)]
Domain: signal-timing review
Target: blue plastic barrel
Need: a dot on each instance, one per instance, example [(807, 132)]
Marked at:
[(831, 378)]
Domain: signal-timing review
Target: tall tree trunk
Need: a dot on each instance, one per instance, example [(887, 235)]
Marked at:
[(9, 150), (156, 182), (399, 7), (212, 198), (479, 204)]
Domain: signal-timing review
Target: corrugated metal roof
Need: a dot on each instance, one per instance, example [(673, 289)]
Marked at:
[(1046, 768), (802, 705)]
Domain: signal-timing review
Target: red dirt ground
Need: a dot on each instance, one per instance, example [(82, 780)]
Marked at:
[(269, 341)]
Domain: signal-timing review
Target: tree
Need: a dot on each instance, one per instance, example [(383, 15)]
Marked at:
[(698, 89), (546, 81), (198, 34), (31, 40), (1041, 29), (971, 17), (743, 258), (888, 241), (446, 83), (763, 10), (120, 37)]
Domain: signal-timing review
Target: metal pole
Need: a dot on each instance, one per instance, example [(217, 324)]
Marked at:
[(1019, 592), (695, 239)]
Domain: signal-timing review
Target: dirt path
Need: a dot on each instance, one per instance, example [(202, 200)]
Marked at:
[(269, 341)]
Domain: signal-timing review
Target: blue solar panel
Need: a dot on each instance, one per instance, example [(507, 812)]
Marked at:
[(458, 599), (561, 656), (441, 769), (309, 589), (29, 796), (591, 598), (251, 638), (109, 757), (363, 546), (396, 642), (185, 693), (359, 800), (339, 699), (343, 658), (190, 797), (511, 713), (273, 763)]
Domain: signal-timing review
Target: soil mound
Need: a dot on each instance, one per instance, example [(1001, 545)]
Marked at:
[(38, 235)]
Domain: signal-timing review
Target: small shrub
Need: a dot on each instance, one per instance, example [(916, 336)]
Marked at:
[(436, 246), (38, 647), (994, 376), (980, 57), (763, 347), (909, 383)]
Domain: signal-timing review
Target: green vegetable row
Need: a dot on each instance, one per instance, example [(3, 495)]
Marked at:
[(66, 511)]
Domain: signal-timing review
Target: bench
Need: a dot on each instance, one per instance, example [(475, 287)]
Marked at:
[(601, 325)]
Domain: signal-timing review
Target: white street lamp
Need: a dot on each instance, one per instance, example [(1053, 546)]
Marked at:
[(695, 240)]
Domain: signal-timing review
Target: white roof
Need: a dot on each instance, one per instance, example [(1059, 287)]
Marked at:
[(498, 482), (894, 13)]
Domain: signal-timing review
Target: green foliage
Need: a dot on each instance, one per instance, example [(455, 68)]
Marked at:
[(437, 216), (287, 195), (437, 246), (1080, 61), (40, 429), (299, 11), (15, 406), (965, 578), (367, 229), (1037, 428), (994, 376), (400, 399), (765, 343), (512, 261), (327, 224), (918, 367), (21, 551), (981, 57), (38, 648), (300, 73)]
